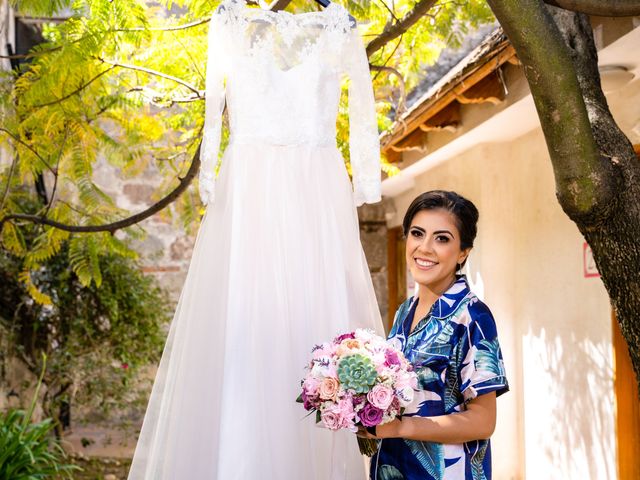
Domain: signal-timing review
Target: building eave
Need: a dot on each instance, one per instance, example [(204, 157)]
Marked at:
[(460, 85)]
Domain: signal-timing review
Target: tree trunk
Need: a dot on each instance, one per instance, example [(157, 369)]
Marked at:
[(596, 169)]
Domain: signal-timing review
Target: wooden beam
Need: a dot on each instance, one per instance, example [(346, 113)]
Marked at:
[(416, 140), (392, 156), (447, 119), (490, 89)]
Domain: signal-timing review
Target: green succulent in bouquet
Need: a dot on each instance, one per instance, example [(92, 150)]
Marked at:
[(357, 372)]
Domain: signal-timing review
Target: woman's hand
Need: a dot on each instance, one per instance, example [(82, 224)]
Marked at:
[(477, 422), (388, 430)]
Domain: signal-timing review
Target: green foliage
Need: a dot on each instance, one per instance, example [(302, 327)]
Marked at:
[(444, 26), (96, 337), (29, 451), (83, 98)]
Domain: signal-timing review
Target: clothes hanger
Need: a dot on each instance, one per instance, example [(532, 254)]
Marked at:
[(322, 3), (326, 3)]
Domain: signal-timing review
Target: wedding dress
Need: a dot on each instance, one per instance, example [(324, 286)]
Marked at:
[(277, 265)]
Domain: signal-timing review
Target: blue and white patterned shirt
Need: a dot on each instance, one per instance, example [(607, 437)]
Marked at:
[(456, 355)]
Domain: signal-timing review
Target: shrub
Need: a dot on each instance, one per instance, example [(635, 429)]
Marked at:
[(30, 451)]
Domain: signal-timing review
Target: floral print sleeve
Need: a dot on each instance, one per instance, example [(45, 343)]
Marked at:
[(482, 368)]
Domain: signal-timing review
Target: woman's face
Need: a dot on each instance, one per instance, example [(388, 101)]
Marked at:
[(433, 249)]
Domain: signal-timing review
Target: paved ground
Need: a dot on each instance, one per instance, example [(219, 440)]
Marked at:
[(102, 454), (99, 442), (101, 468)]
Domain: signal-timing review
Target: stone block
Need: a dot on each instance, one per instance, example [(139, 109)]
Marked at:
[(138, 193), (374, 243)]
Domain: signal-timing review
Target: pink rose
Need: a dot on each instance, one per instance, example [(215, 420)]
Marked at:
[(339, 415), (380, 396), (311, 386), (331, 419), (345, 408), (329, 388)]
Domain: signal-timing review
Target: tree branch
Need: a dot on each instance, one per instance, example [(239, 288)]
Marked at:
[(403, 92), (163, 29), (28, 147), (77, 90), (56, 176), (606, 8), (14, 162), (196, 23), (395, 30), (125, 222), (154, 72), (19, 56), (393, 15)]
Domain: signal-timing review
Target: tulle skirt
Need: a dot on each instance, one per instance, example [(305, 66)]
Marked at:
[(277, 267)]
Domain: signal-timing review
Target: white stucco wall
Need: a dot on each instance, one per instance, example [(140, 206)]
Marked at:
[(558, 421)]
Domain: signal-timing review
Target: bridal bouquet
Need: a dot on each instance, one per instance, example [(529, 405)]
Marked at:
[(357, 379)]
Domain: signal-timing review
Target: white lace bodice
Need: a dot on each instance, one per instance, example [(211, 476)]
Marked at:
[(280, 74)]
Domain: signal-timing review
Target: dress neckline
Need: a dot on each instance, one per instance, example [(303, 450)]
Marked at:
[(285, 13)]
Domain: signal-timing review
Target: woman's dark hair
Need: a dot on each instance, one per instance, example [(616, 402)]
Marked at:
[(463, 210)]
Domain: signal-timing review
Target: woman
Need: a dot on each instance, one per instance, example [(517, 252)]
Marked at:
[(450, 337)]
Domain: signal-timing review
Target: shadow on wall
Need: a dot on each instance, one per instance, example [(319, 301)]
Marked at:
[(580, 442)]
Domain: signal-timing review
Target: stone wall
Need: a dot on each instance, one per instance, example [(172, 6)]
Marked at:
[(166, 248), (373, 235)]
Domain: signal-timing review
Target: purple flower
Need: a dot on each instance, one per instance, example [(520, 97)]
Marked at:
[(358, 399), (309, 402), (391, 358), (371, 416), (344, 336)]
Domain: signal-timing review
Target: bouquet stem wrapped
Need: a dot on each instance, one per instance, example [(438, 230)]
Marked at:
[(367, 446)]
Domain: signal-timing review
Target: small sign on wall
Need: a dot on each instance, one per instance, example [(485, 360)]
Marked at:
[(590, 269)]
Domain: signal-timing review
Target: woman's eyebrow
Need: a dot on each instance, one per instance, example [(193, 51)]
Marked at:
[(415, 227), (437, 232)]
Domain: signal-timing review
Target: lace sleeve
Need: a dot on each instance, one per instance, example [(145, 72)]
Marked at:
[(214, 104), (363, 130)]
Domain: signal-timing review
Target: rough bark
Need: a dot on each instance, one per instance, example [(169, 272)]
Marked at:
[(596, 169), (608, 8)]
